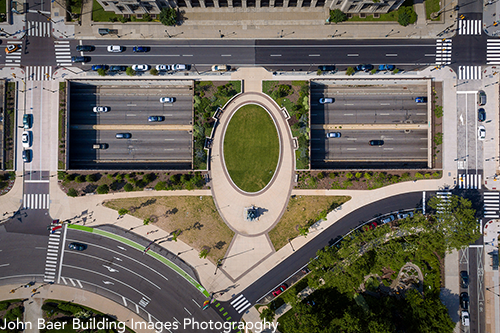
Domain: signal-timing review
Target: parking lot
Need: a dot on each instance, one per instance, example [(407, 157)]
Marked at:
[(359, 111), (126, 108)]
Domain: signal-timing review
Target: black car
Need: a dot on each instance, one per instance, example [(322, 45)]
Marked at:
[(27, 155), (118, 68), (123, 135), (326, 68), (481, 115), (464, 300), (376, 142), (156, 118), (77, 246), (85, 48), (464, 277), (365, 67), (80, 59)]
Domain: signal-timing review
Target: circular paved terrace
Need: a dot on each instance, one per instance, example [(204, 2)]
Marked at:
[(272, 200)]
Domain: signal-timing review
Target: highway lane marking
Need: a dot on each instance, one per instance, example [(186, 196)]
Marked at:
[(71, 280), (196, 303), (79, 283), (352, 148), (137, 308), (423, 138), (62, 253), (187, 311), (40, 248), (423, 148), (353, 55), (429, 55), (124, 301), (384, 114), (169, 139), (391, 55), (275, 55), (187, 55), (225, 55), (421, 114), (348, 114), (388, 148), (385, 103), (352, 138), (348, 104), (176, 320), (3, 265), (315, 55)]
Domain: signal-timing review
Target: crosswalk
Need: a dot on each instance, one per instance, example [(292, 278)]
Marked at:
[(36, 201), (63, 53), (144, 301), (14, 58), (469, 27), (469, 181), (470, 73), (73, 282), (52, 256), (38, 73), (491, 202), (38, 29), (445, 201), (443, 51), (240, 303), (493, 51)]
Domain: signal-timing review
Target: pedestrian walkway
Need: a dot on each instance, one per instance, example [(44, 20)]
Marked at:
[(36, 201), (493, 51), (38, 29), (14, 58), (240, 303), (63, 53), (491, 202), (470, 73), (443, 51), (445, 201), (51, 261), (469, 181), (469, 27)]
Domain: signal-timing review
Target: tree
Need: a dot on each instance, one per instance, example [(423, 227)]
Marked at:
[(406, 16), (267, 314), (91, 178), (129, 71), (122, 211), (153, 71), (204, 253), (102, 189), (350, 71), (72, 192), (102, 71), (80, 178), (337, 16), (128, 187), (168, 16)]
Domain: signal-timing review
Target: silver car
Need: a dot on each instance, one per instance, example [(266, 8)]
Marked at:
[(27, 139), (167, 99), (179, 67), (101, 109), (115, 48), (481, 132), (325, 100), (140, 68), (162, 67)]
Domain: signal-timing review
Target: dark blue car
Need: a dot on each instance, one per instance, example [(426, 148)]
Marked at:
[(118, 68), (141, 49), (97, 67)]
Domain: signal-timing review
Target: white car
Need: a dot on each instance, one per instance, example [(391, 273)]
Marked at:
[(326, 100), (179, 67), (167, 99), (402, 216), (115, 48), (101, 109), (162, 67), (27, 139), (481, 132), (465, 318), (220, 68), (140, 68)]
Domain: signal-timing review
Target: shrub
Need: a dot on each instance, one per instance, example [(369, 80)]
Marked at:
[(332, 175), (359, 175), (373, 71), (396, 71), (91, 178), (70, 177), (61, 175), (160, 186), (438, 111), (348, 175), (119, 177), (102, 189), (72, 192), (406, 16), (153, 71), (204, 253), (321, 175), (80, 178), (438, 139), (350, 71), (148, 178), (337, 16), (4, 305), (418, 175), (129, 71), (168, 16), (319, 72), (122, 211), (128, 187), (101, 72)]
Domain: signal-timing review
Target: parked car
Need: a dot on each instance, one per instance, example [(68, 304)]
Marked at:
[(376, 142), (115, 48), (123, 135), (140, 68), (100, 146), (180, 67), (27, 121), (85, 48), (163, 67), (140, 49), (464, 300), (326, 68), (481, 97), (97, 67), (77, 246), (402, 216), (220, 68), (118, 68), (387, 219), (464, 279), (80, 59), (420, 99), (167, 99), (481, 132), (279, 290), (365, 67), (101, 109), (386, 67), (333, 135), (326, 100), (11, 48), (27, 155), (27, 139), (156, 118), (465, 318), (481, 115)]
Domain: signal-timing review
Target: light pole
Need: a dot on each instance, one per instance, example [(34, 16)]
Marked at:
[(169, 36), (291, 244), (389, 33)]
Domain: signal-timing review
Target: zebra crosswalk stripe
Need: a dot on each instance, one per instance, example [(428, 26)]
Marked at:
[(38, 29), (443, 51), (63, 53), (493, 51), (14, 58), (240, 303), (39, 73), (469, 73), (51, 257), (36, 201), (469, 27), (470, 181)]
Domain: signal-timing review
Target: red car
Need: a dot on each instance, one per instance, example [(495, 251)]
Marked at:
[(279, 290)]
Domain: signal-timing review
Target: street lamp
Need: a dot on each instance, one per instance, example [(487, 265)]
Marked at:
[(169, 36)]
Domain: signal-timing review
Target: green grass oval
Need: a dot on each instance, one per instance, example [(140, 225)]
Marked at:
[(251, 148)]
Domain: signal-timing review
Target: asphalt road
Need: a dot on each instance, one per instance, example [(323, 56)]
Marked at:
[(469, 147)]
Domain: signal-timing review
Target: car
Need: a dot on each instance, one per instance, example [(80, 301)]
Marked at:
[(279, 290), (464, 300), (386, 67), (27, 121), (376, 142), (465, 318), (326, 100), (481, 97), (154, 119), (162, 67), (77, 246), (117, 68), (180, 67), (80, 59), (481, 115), (333, 135), (366, 67), (140, 49), (464, 278), (115, 48), (481, 132), (11, 48), (85, 48), (140, 68), (97, 67), (167, 99), (220, 68), (402, 216), (326, 68), (27, 139), (123, 135), (420, 99), (387, 219), (100, 146), (27, 155), (101, 109)]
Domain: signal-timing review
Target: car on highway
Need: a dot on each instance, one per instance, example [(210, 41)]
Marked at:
[(481, 95), (464, 300), (117, 68), (163, 67), (180, 67), (167, 99), (279, 290), (27, 155), (326, 100), (100, 146), (27, 139), (326, 68), (155, 119), (402, 216), (140, 67), (481, 132), (80, 59), (77, 246), (376, 142), (481, 115), (140, 49), (387, 219), (220, 68), (465, 318), (123, 135), (333, 135), (115, 48), (464, 279), (101, 109), (11, 48), (27, 121), (420, 99), (365, 67), (386, 67), (97, 67), (85, 48)]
